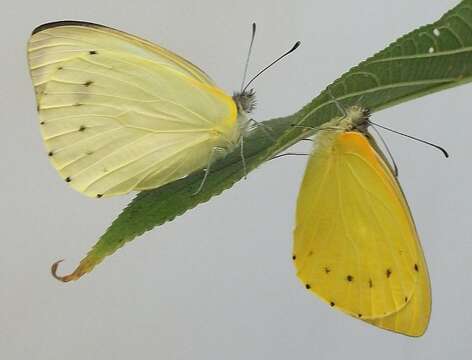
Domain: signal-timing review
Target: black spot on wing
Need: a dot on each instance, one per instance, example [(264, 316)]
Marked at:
[(308, 286), (332, 303), (50, 153), (349, 278), (388, 273), (294, 257), (68, 179), (416, 267), (371, 284), (82, 128), (99, 196), (93, 52), (88, 83)]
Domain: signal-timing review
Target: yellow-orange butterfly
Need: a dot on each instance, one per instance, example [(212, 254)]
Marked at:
[(355, 242)]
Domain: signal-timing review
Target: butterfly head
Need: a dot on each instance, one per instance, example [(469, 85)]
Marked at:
[(356, 119), (245, 101)]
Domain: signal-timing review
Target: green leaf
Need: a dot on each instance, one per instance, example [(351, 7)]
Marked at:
[(429, 59)]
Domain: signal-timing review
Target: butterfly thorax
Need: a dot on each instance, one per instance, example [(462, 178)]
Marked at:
[(245, 101), (355, 119)]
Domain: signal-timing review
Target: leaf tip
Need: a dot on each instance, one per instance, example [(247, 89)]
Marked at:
[(66, 278)]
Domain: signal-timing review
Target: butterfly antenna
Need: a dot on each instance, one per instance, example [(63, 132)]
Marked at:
[(294, 47), (395, 167), (253, 35), (413, 138)]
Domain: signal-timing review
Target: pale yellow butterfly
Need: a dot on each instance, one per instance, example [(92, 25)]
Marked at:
[(118, 113), (355, 242)]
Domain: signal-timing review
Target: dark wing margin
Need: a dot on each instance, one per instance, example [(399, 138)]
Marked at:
[(54, 24)]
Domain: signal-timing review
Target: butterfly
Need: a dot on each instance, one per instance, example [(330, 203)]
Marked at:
[(355, 243), (118, 113)]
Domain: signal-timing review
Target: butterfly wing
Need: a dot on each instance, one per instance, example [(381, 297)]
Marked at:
[(413, 319), (118, 113), (355, 243)]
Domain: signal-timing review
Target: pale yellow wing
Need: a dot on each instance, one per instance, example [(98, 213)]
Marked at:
[(118, 113), (355, 244), (63, 37)]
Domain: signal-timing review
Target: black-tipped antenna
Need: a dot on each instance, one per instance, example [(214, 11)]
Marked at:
[(253, 35), (294, 47), (414, 138)]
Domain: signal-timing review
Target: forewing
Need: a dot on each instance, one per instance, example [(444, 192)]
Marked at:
[(66, 35)]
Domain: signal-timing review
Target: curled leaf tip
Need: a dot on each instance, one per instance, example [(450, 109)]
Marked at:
[(65, 278)]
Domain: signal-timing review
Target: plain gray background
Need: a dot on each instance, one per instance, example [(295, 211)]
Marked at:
[(218, 282)]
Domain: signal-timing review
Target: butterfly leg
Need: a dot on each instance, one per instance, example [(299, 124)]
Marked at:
[(243, 159), (358, 101), (288, 154), (265, 128), (211, 159), (341, 109), (392, 164)]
